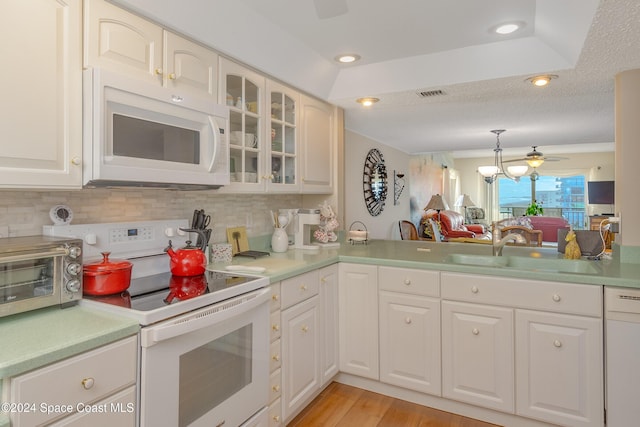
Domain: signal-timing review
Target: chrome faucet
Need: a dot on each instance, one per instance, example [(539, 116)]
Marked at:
[(498, 245)]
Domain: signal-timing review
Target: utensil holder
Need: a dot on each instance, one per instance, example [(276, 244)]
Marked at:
[(279, 240)]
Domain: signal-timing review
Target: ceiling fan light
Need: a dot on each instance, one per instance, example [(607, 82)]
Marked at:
[(488, 171), (517, 170), (535, 163)]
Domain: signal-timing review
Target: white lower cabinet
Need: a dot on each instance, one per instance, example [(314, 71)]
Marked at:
[(410, 329), (275, 358), (328, 292), (301, 353), (95, 388), (358, 317), (478, 355), (559, 368)]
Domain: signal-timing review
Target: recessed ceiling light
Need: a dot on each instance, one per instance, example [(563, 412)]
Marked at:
[(347, 58), (542, 80), (367, 102), (507, 28)]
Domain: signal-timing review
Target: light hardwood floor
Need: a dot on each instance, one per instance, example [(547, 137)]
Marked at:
[(341, 405)]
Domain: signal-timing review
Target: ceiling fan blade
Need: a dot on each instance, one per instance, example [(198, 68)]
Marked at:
[(330, 8)]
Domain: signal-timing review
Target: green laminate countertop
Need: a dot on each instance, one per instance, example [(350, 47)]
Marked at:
[(37, 338), (436, 256)]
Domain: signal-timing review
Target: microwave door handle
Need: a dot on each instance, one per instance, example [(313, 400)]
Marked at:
[(162, 333), (216, 142), (36, 255)]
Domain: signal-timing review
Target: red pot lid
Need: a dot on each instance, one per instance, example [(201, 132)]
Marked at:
[(108, 264)]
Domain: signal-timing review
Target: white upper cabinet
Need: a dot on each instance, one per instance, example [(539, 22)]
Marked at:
[(282, 133), (122, 41), (243, 92), (318, 134), (41, 116)]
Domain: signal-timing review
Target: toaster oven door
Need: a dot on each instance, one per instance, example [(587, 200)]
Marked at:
[(30, 281)]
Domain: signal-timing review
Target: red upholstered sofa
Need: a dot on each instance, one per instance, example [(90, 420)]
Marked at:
[(549, 226), (452, 225)]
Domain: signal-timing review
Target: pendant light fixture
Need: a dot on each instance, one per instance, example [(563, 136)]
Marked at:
[(490, 173)]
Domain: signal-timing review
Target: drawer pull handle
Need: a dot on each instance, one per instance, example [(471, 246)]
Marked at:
[(556, 297), (275, 297), (557, 343), (474, 289), (275, 327), (158, 71), (87, 383), (276, 388), (407, 281), (305, 328), (276, 418), (407, 320), (303, 287), (276, 357), (172, 76), (475, 331), (323, 280)]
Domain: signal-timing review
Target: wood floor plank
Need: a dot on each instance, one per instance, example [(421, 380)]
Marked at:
[(340, 405)]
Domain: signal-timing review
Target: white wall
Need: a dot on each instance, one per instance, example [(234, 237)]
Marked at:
[(385, 225)]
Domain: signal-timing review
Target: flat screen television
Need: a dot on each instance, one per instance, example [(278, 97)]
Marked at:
[(601, 192)]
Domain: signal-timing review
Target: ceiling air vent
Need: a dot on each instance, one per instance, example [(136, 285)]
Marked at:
[(429, 93)]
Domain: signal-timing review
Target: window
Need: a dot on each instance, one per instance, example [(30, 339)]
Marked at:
[(559, 196)]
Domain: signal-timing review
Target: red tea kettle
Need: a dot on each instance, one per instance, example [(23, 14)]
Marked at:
[(190, 260)]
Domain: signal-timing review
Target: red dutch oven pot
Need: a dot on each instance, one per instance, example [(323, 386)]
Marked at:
[(106, 277)]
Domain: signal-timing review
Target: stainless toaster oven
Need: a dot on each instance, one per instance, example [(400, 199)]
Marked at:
[(39, 271)]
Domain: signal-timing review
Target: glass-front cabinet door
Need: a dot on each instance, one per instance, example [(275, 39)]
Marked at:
[(282, 163), (243, 92)]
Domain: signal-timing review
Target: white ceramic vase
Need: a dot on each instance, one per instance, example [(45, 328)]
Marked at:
[(279, 240)]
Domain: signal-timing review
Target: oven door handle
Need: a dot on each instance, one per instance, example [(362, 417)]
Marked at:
[(205, 317)]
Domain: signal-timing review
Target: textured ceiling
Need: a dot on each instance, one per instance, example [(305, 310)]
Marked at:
[(413, 45)]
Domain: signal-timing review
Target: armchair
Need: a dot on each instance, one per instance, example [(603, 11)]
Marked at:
[(518, 225), (452, 225), (408, 231)]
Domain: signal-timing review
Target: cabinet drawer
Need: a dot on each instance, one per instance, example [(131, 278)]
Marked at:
[(275, 361), (275, 296), (119, 410), (299, 288), (275, 385), (275, 414), (80, 379), (409, 281), (275, 325), (570, 298)]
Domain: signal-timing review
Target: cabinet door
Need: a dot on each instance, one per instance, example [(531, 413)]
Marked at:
[(559, 369), (478, 354), (410, 341), (189, 66), (243, 91), (41, 116), (121, 41), (282, 134), (329, 321), (318, 146), (358, 318), (301, 351)]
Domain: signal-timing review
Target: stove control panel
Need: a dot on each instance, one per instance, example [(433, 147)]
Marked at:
[(123, 239)]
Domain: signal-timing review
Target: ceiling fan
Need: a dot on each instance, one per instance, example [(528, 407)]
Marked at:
[(330, 8), (535, 158)]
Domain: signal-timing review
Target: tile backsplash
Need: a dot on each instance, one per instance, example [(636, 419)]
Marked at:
[(24, 212)]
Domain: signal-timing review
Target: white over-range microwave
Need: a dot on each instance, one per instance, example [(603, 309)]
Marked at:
[(136, 134)]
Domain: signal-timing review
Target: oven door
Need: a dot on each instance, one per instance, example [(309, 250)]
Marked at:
[(209, 367)]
